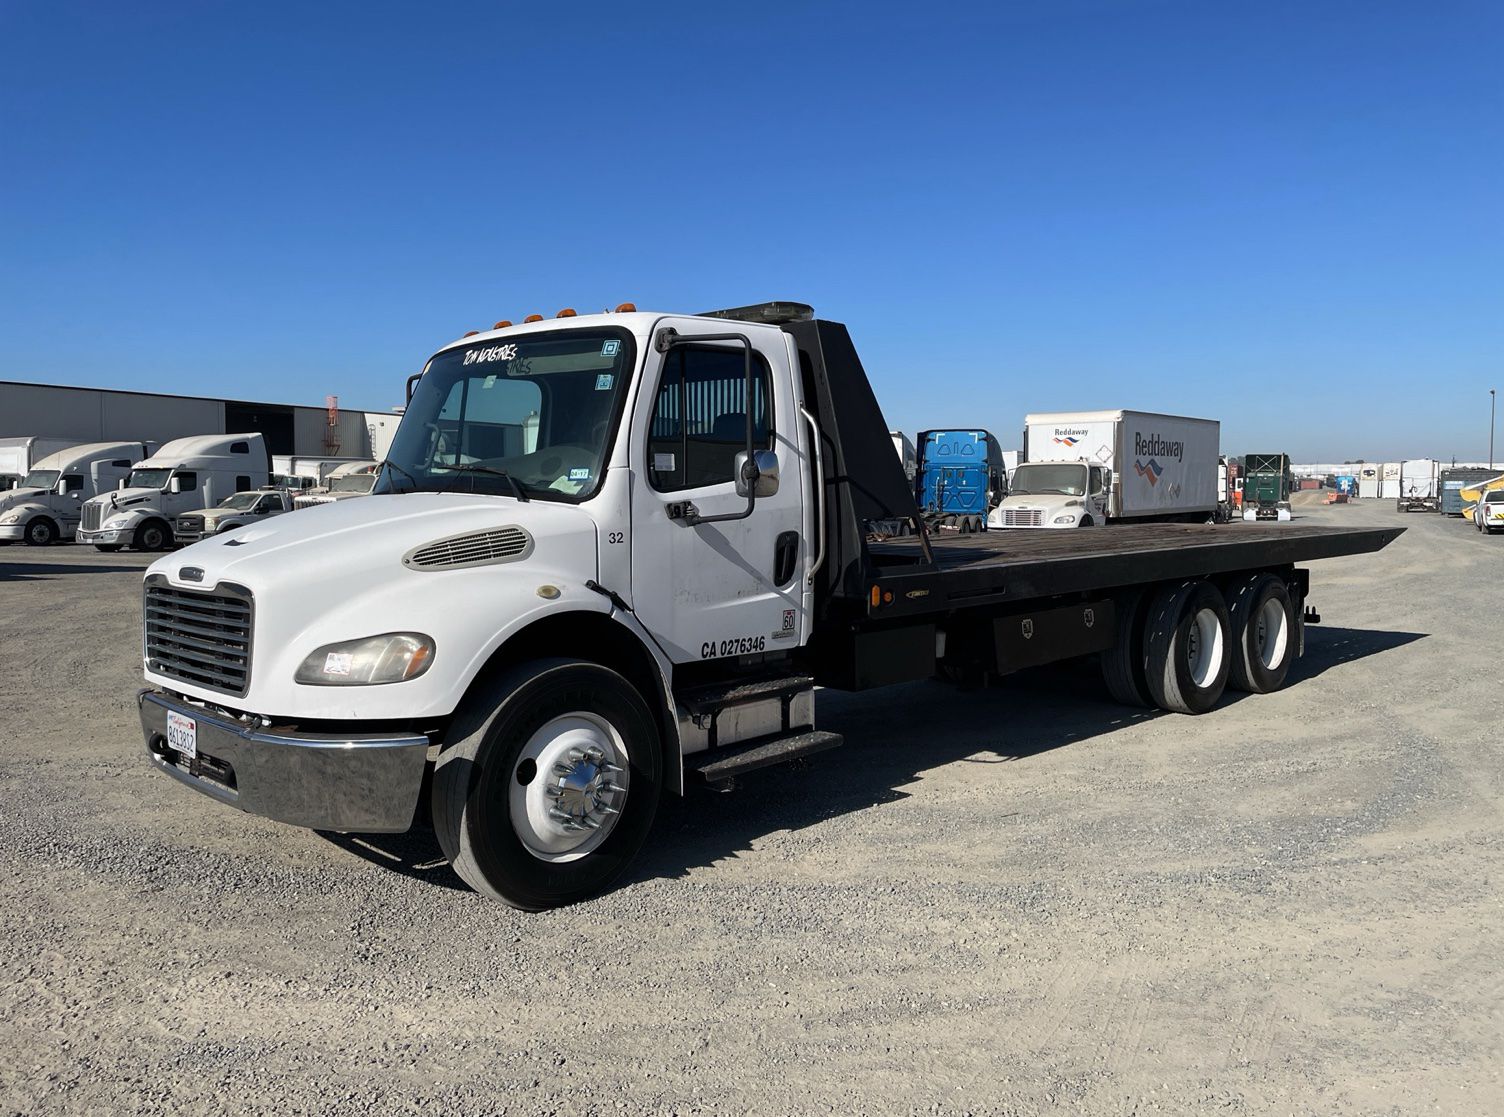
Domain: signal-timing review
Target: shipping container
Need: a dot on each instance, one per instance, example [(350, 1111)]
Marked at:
[(1453, 481)]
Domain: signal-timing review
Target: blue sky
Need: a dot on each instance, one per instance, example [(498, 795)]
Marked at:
[(1285, 216)]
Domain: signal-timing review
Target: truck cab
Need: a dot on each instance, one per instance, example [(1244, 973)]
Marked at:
[(1055, 495), (184, 475), (47, 505), (960, 478)]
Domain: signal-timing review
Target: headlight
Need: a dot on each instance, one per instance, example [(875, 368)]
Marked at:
[(392, 658), (1069, 518), (10, 517)]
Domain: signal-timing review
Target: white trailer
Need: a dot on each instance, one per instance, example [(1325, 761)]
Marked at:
[(1389, 480), (903, 446), (184, 475), (303, 473), (20, 454), (1127, 465), (46, 506), (1368, 482)]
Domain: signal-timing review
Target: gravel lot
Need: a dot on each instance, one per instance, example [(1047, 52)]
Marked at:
[(1023, 900)]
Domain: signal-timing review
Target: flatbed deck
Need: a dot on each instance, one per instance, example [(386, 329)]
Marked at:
[(1001, 566)]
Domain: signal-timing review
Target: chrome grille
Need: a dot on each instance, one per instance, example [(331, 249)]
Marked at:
[(190, 525), (202, 638), (93, 513), (477, 548), (1023, 517)]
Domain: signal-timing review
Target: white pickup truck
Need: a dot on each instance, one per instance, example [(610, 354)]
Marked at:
[(236, 510), (613, 555)]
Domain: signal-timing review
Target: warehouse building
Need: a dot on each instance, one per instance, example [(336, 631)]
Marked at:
[(107, 415)]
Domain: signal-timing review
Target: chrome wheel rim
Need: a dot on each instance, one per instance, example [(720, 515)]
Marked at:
[(1271, 633), (37, 532), (1204, 647), (568, 787)]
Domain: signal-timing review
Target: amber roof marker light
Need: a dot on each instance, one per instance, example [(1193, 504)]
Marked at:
[(627, 308), (532, 318), (503, 324), (567, 312)]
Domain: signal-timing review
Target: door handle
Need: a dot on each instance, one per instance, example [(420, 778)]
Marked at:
[(785, 556)]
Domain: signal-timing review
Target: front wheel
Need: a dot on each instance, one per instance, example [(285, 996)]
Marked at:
[(41, 532), (1186, 642), (107, 548), (550, 785), (151, 536)]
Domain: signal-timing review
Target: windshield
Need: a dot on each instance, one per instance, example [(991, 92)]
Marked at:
[(239, 501), (538, 412), (1069, 479), (148, 478), (353, 483), (40, 479)]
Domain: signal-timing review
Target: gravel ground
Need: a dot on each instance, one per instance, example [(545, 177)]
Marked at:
[(1022, 900)]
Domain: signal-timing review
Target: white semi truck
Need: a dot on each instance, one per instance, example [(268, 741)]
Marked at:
[(1088, 468), (21, 453), (184, 475), (47, 505), (352, 479), (546, 632)]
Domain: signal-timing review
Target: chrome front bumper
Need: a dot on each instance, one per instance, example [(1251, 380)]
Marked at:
[(114, 535), (356, 782), (12, 533)]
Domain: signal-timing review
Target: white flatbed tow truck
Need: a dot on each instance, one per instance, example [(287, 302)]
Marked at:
[(613, 555)]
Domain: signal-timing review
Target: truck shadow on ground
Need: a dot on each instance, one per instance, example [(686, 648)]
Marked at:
[(27, 571), (894, 737)]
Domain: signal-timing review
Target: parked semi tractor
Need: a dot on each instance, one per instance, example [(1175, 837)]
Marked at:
[(1088, 468), (184, 475), (1266, 487), (546, 637), (20, 454), (960, 478), (47, 505)]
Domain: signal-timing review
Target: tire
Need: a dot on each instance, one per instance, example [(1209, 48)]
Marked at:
[(1186, 647), (1085, 522), (490, 786), (41, 532), (151, 536), (1264, 634), (1123, 663), (108, 548)]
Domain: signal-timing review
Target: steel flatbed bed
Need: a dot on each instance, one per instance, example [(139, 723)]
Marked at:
[(998, 567)]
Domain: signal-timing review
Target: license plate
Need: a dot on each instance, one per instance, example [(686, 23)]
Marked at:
[(182, 734)]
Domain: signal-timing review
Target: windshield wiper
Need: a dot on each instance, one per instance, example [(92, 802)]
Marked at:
[(470, 467), (393, 465)]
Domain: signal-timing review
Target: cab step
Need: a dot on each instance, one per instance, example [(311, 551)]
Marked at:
[(715, 697), (721, 765)]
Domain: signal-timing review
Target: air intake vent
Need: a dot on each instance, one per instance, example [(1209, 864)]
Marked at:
[(475, 548)]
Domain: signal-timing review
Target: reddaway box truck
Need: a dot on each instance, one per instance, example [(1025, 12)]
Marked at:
[(1087, 468)]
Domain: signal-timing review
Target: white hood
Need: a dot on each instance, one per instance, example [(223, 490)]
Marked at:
[(335, 572)]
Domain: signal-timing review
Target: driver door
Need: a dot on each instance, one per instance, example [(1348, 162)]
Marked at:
[(713, 590)]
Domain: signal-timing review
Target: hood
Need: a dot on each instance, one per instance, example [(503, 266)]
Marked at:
[(340, 571), (1046, 501), (349, 541), (120, 498), (12, 498)]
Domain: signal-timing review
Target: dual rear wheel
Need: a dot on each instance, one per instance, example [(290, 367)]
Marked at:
[(1180, 646)]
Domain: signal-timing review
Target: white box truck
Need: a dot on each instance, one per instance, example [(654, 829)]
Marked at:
[(20, 454), (298, 474), (1390, 485), (1420, 486), (46, 506), (1087, 468), (184, 475)]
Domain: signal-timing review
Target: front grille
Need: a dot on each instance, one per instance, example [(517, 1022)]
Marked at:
[(477, 548), (1023, 517), (202, 638), (310, 501), (190, 525), (93, 513)]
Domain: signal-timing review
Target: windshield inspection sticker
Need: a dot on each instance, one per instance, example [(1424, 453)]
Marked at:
[(579, 474), (604, 381), (489, 381), (610, 348), (492, 353)]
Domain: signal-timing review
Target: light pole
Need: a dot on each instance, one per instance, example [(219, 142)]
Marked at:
[(1490, 429)]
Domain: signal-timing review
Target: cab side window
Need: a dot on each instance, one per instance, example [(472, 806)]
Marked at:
[(1096, 478), (187, 480), (72, 482), (700, 416), (242, 483)]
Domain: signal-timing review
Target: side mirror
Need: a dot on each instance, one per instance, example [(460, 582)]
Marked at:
[(122, 483), (61, 488), (758, 475), (175, 485)]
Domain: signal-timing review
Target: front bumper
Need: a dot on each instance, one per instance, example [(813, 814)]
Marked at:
[(108, 535), (356, 782), (12, 533)]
